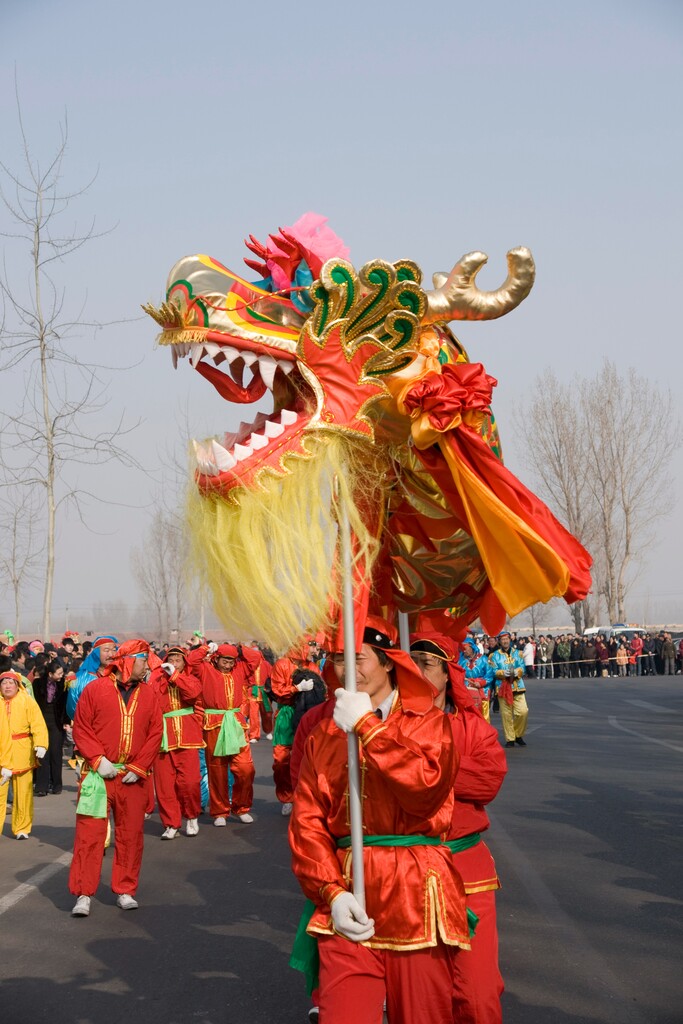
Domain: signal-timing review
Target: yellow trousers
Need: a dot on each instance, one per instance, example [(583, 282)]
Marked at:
[(22, 808), (514, 718), (486, 710)]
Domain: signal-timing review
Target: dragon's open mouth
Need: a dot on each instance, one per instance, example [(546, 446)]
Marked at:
[(243, 376)]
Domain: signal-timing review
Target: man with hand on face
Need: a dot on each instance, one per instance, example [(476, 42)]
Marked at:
[(286, 690), (224, 699), (29, 742), (508, 666), (397, 949), (118, 730), (477, 982), (176, 769)]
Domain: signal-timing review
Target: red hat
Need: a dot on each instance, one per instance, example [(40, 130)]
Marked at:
[(122, 663), (225, 651)]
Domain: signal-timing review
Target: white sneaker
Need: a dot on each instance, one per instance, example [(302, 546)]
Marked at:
[(126, 902), (246, 818), (192, 827), (21, 835), (286, 810), (170, 833), (253, 741), (81, 907), (220, 822), (269, 735), (147, 815)]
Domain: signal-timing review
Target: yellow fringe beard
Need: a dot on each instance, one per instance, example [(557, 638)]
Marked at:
[(269, 554)]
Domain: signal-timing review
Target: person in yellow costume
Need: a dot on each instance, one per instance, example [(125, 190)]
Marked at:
[(28, 742)]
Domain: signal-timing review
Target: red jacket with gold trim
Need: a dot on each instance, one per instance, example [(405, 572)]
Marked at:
[(105, 726), (180, 690), (408, 768)]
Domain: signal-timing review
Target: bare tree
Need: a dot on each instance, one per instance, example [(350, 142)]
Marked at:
[(160, 569), (600, 447), (49, 435), (20, 554)]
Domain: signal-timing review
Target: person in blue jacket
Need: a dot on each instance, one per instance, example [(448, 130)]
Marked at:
[(479, 675), (508, 667)]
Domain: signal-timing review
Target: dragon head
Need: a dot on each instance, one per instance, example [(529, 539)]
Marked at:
[(338, 349)]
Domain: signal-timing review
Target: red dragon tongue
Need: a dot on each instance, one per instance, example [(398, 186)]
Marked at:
[(228, 389)]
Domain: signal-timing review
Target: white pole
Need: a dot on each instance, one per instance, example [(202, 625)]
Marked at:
[(403, 631), (355, 805)]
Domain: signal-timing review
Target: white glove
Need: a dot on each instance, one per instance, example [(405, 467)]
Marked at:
[(350, 708), (305, 686), (213, 647), (348, 917), (41, 752), (5, 776), (106, 769), (168, 668), (130, 777)]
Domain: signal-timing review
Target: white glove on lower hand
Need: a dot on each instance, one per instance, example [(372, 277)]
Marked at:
[(106, 769), (5, 776), (350, 708), (41, 752), (349, 919), (305, 686), (130, 777), (168, 668)]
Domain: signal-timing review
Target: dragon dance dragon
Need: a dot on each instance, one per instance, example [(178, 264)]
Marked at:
[(376, 405)]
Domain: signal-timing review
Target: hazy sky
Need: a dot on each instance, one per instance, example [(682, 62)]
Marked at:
[(421, 130)]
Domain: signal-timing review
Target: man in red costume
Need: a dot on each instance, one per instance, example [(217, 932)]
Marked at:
[(285, 692), (477, 983), (399, 949), (176, 769), (117, 728), (225, 685), (260, 711)]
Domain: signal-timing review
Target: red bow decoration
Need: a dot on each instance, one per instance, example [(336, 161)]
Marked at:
[(459, 388)]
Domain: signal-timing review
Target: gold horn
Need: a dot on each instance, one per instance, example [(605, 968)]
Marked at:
[(456, 296)]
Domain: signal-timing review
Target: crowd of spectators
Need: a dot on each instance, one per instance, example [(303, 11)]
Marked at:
[(573, 656)]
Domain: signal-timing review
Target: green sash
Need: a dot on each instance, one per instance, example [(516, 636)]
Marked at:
[(172, 714), (305, 957), (231, 736), (344, 842), (92, 800), (283, 733), (458, 845), (264, 696)]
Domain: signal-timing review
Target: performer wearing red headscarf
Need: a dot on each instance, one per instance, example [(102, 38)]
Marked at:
[(260, 711), (117, 728), (285, 692), (399, 949), (176, 769), (477, 983), (225, 694)]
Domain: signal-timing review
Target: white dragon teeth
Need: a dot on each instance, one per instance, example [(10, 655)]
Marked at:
[(242, 452), (223, 459), (249, 358), (174, 357), (258, 441), (267, 367), (285, 365), (196, 353), (273, 430), (287, 417)]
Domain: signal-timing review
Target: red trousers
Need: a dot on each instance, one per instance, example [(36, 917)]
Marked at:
[(281, 776), (258, 716), (177, 782), (242, 767), (355, 981), (127, 804), (477, 982), (151, 799)]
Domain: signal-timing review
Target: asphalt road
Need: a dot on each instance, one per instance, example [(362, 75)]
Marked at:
[(587, 838)]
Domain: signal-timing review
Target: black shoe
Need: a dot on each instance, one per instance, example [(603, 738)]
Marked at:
[(40, 793), (510, 743), (520, 742), (57, 791)]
